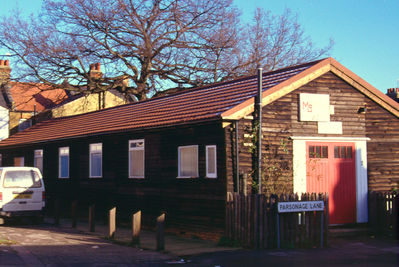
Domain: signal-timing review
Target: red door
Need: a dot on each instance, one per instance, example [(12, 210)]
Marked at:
[(330, 167)]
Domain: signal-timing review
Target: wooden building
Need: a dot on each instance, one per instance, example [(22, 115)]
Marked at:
[(324, 129)]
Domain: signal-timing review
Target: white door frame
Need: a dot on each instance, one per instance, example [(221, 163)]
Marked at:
[(299, 168)]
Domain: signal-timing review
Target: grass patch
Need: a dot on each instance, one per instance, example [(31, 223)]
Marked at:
[(6, 241)]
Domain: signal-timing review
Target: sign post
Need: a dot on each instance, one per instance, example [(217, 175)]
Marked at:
[(300, 206)]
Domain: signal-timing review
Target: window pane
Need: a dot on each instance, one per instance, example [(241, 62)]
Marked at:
[(325, 152), (311, 152), (336, 152), (64, 165), (318, 152), (19, 161), (343, 152), (96, 167), (137, 163), (39, 163), (188, 161), (22, 179), (349, 152), (211, 160)]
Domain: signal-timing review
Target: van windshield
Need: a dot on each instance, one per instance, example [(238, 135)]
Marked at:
[(22, 178)]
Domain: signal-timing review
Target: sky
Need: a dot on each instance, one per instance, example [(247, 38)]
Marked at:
[(365, 32)]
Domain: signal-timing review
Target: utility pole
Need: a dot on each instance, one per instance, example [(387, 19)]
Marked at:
[(259, 133)]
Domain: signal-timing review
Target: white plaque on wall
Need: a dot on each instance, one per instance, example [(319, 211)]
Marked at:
[(330, 127), (314, 107)]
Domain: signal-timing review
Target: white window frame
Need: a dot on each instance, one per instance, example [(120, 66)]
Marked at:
[(179, 162), (63, 151), (208, 174), (94, 148), (38, 153), (130, 160)]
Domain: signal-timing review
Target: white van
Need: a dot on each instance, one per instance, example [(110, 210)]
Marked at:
[(21, 192)]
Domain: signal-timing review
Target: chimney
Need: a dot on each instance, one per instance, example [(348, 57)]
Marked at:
[(95, 71), (393, 93), (5, 71)]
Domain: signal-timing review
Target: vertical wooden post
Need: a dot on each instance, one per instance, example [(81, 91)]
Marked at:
[(57, 211), (112, 222), (161, 232), (256, 218), (73, 213), (136, 228), (92, 223)]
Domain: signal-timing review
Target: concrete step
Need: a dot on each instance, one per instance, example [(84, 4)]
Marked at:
[(348, 231)]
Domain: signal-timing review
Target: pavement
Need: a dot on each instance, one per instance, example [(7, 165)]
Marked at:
[(174, 245), (24, 244), (50, 245)]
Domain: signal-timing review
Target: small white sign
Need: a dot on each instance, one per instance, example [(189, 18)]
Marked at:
[(329, 127), (314, 107), (300, 206)]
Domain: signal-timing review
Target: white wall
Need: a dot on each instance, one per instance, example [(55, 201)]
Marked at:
[(4, 123)]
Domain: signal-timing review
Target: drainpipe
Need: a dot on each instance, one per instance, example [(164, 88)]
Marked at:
[(237, 158), (34, 115), (259, 121)]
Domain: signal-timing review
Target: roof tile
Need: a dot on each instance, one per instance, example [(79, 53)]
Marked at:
[(198, 104)]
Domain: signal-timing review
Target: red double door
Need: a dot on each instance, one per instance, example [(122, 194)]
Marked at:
[(330, 167)]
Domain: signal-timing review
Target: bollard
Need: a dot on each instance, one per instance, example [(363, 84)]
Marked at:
[(161, 232), (112, 222), (136, 228), (92, 218), (73, 213)]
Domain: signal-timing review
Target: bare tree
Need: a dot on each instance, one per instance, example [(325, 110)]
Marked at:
[(278, 41), (154, 44), (148, 42)]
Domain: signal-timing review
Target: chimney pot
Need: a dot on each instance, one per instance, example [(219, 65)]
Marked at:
[(7, 63), (1, 62), (98, 66)]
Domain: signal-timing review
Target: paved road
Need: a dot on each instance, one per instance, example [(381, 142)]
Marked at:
[(47, 245), (349, 251)]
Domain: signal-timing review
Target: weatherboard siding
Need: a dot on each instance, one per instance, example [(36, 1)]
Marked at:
[(383, 148), (199, 201), (281, 121)]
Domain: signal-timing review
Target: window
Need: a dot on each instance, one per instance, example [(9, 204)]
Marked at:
[(63, 162), (188, 161), (19, 161), (136, 158), (38, 159), (211, 162), (320, 152), (342, 152), (96, 158)]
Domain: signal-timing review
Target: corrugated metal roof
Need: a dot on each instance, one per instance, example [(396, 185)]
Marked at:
[(198, 104)]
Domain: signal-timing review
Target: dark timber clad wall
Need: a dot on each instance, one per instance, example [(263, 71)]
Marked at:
[(383, 148), (280, 121), (197, 201)]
